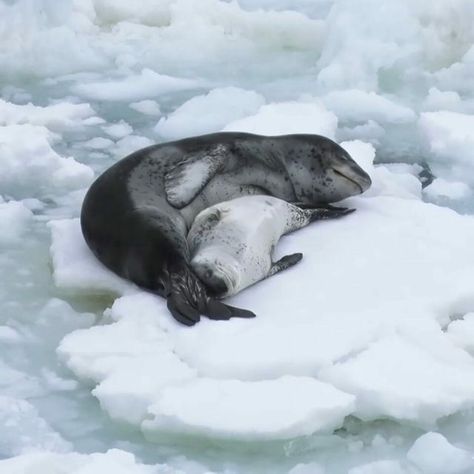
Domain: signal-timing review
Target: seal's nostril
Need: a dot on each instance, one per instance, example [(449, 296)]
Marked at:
[(208, 273)]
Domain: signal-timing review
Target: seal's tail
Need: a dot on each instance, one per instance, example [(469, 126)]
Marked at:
[(187, 299)]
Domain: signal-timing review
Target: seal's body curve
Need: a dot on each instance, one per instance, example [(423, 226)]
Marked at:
[(136, 215), (231, 243)]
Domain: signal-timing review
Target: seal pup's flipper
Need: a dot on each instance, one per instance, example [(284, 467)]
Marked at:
[(188, 178), (285, 262), (219, 311), (332, 212)]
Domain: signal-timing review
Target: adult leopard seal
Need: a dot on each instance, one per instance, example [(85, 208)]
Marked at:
[(135, 216), (231, 243)]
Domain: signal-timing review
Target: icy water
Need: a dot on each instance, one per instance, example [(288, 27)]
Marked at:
[(395, 74)]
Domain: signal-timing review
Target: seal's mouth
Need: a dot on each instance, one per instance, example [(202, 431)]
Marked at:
[(361, 189)]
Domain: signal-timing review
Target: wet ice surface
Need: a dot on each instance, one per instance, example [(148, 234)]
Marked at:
[(361, 358)]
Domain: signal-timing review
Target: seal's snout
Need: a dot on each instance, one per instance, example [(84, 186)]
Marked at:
[(352, 172)]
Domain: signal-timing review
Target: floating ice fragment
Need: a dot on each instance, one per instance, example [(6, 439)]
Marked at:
[(270, 409), (397, 378), (98, 143), (146, 84), (379, 467), (449, 138), (24, 430), (209, 113), (118, 130), (14, 221), (359, 106), (113, 461), (288, 117), (31, 168), (441, 188), (433, 454), (74, 265), (146, 107), (57, 117)]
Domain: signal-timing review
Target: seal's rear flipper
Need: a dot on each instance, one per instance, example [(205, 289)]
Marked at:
[(182, 311), (219, 311), (285, 262)]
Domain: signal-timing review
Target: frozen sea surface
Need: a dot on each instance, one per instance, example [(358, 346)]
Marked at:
[(361, 360)]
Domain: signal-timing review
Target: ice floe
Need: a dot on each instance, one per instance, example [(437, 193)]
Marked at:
[(363, 312)]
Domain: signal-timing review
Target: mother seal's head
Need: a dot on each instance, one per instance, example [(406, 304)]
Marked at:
[(321, 171)]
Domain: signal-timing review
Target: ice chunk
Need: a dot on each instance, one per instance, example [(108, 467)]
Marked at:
[(398, 48), (31, 168), (118, 130), (370, 131), (270, 409), (433, 454), (398, 378), (113, 461), (288, 117), (57, 117), (74, 266), (461, 332), (9, 335), (146, 107), (437, 100), (98, 143), (359, 106), (441, 188), (129, 144), (128, 391), (15, 219), (24, 430), (379, 467), (458, 75), (449, 137), (311, 468), (141, 86), (209, 113)]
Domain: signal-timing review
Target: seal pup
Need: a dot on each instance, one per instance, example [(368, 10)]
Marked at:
[(231, 243), (135, 216)]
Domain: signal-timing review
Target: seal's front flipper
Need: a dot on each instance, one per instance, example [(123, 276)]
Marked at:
[(285, 262), (331, 212), (220, 311), (188, 178), (182, 311)]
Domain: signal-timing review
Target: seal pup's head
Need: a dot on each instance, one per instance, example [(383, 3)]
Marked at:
[(321, 171), (218, 271)]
